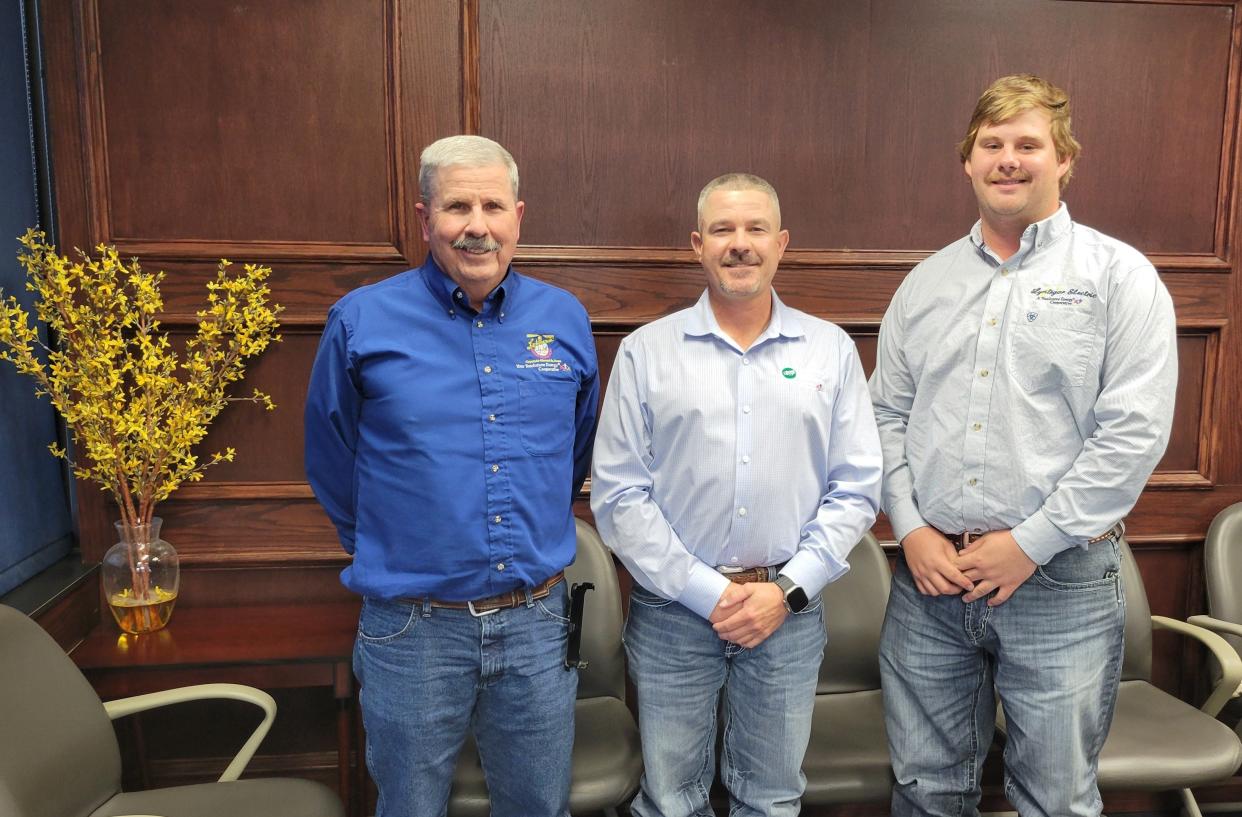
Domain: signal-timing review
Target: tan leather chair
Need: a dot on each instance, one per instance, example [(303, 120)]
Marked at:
[(59, 756), (847, 760), (1158, 742), (607, 759)]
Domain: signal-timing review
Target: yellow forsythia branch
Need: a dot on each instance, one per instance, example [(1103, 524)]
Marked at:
[(136, 408)]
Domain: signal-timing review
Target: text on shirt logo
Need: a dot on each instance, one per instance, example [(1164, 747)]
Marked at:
[(1057, 296)]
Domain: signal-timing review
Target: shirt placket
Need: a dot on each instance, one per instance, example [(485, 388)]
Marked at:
[(495, 454), (979, 400), (743, 491)]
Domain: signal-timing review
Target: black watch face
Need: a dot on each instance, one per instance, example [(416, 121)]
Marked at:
[(797, 600)]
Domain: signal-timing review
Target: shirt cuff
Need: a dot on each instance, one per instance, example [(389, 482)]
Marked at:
[(806, 571), (1040, 539), (904, 517), (703, 590)]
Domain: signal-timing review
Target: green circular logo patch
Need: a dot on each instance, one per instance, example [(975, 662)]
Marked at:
[(788, 373)]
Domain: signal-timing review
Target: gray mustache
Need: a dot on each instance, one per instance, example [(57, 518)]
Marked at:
[(480, 243)]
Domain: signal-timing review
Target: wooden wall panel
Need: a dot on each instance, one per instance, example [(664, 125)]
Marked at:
[(851, 109)]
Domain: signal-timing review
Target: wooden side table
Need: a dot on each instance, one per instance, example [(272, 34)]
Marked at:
[(269, 647)]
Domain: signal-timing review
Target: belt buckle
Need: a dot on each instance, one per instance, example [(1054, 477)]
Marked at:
[(728, 570), (477, 614)]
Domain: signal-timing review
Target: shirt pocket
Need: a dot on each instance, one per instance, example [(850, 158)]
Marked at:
[(546, 414), (1053, 351)]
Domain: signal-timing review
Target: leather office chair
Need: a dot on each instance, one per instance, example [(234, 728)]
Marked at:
[(1158, 742), (848, 760), (1222, 557), (607, 759), (59, 756)]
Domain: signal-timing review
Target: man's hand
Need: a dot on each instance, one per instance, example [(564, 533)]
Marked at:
[(931, 560), (758, 615), (995, 562), (728, 603)]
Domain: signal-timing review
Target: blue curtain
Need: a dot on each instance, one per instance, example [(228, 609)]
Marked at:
[(35, 521)]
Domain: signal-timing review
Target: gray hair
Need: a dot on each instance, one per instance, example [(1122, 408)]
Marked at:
[(465, 151), (739, 181)]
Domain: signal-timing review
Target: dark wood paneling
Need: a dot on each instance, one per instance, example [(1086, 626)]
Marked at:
[(851, 109)]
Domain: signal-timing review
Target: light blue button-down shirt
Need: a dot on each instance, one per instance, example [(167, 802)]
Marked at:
[(1032, 394), (708, 455)]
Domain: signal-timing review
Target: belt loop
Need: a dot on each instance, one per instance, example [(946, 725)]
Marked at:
[(427, 607), (773, 572), (530, 601)]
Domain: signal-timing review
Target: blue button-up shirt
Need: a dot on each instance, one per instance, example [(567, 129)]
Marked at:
[(708, 455), (1032, 394), (445, 444)]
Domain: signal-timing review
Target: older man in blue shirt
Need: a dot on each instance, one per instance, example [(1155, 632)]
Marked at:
[(448, 426), (1024, 389), (736, 466)]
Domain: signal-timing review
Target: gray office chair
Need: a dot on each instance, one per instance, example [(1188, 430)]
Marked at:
[(1158, 742), (847, 760), (1222, 558), (607, 760), (59, 756)]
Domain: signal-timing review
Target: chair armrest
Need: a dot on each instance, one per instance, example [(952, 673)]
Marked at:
[(1216, 625), (1225, 655), (201, 692)]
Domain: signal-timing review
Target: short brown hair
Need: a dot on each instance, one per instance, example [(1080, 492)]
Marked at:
[(1013, 96)]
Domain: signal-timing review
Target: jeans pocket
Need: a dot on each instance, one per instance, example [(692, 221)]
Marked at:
[(1093, 567), (643, 596), (382, 620), (554, 606)]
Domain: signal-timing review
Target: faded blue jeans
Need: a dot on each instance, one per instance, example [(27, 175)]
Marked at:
[(684, 674), (1053, 652), (429, 675)]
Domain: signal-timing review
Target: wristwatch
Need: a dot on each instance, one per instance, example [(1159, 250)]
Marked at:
[(795, 597)]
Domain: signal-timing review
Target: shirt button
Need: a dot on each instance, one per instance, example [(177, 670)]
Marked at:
[(457, 294), (496, 519), (495, 468), (971, 482), (745, 361), (479, 324), (991, 321), (746, 409), (976, 427), (488, 370), (983, 372), (491, 418), (1004, 271), (500, 566), (746, 459), (741, 511), (734, 559)]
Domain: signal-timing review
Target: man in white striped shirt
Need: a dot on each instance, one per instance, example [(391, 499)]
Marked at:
[(736, 464), (1024, 389)]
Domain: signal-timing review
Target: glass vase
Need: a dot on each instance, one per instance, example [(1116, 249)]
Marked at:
[(141, 574)]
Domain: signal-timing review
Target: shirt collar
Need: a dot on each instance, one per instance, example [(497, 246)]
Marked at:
[(783, 323), (453, 298), (1036, 236)]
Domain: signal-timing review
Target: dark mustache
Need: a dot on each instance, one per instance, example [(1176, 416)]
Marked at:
[(736, 259)]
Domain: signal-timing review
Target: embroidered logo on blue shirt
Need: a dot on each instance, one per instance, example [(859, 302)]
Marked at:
[(1057, 296), (540, 345)]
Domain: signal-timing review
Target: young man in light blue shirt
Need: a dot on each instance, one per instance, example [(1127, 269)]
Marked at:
[(1024, 388)]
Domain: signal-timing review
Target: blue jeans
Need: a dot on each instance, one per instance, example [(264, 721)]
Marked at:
[(429, 675), (1053, 651), (685, 674)]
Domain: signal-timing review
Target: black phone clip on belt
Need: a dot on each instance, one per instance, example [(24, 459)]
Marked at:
[(573, 649)]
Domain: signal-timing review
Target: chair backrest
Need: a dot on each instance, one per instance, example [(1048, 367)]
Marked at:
[(58, 752), (1222, 562), (853, 614), (604, 675), (1137, 663)]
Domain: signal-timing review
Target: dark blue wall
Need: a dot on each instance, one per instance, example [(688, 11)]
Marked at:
[(35, 523)]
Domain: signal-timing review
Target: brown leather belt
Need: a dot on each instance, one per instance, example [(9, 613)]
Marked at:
[(963, 539), (504, 601), (750, 574)]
